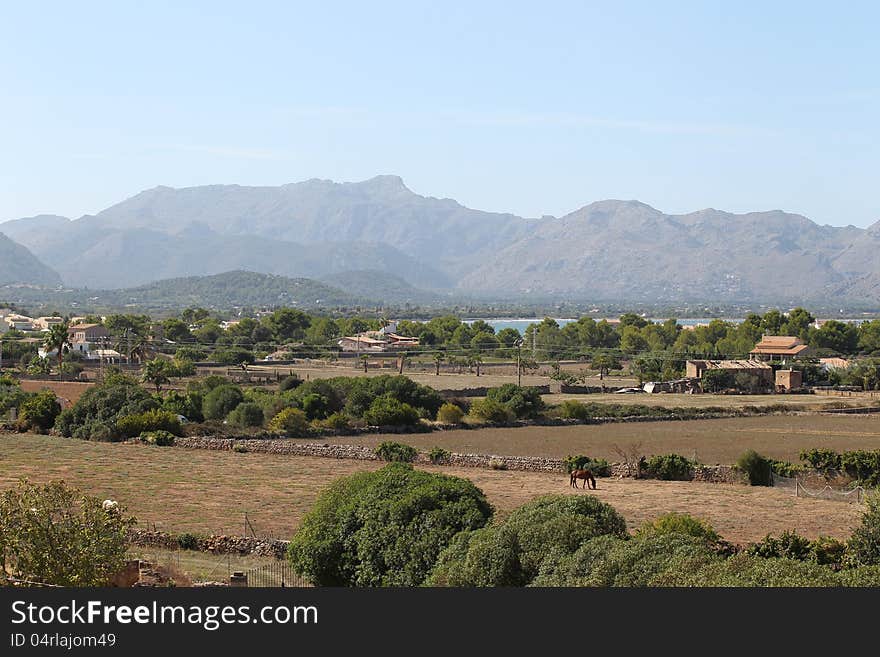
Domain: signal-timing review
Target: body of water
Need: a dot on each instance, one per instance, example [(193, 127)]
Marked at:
[(522, 324)]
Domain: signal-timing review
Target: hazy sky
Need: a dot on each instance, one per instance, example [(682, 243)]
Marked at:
[(533, 108)]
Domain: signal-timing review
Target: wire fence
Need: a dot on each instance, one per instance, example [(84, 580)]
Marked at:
[(280, 574), (852, 495)]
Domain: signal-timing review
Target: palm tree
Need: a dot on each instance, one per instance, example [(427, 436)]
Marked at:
[(156, 371), (365, 360), (57, 339), (439, 357), (475, 360)]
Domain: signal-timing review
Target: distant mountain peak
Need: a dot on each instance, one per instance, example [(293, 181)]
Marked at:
[(385, 182)]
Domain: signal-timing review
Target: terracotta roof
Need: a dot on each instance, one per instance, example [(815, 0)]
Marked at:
[(779, 351), (363, 339), (732, 364), (779, 341), (83, 327)]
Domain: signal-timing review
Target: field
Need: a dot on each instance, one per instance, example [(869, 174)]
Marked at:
[(712, 441), (206, 491)]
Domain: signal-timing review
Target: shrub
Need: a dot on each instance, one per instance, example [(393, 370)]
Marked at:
[(233, 356), (669, 467), (679, 523), (188, 541), (240, 448), (246, 414), (36, 520), (391, 451), (291, 421), (291, 382), (497, 464), (789, 545), (315, 406), (191, 354), (384, 528), (524, 402), (492, 411), (335, 422), (159, 438), (100, 407), (514, 551), (864, 544), (439, 456), (39, 411), (221, 401), (189, 405), (646, 561), (450, 414), (821, 459), (153, 420), (574, 410), (599, 467), (757, 468), (389, 411)]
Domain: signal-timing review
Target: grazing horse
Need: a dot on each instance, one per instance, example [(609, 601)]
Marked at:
[(586, 475)]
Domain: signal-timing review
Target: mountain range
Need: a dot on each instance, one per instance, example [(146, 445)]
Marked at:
[(342, 232)]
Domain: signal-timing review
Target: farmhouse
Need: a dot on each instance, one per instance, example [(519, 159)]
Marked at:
[(788, 380), (780, 347), (86, 338), (761, 370), (45, 323), (19, 322), (361, 343)]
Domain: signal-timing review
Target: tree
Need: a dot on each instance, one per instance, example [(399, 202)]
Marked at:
[(604, 363), (439, 357), (157, 372), (475, 361), (58, 339), (384, 528), (221, 401), (38, 412), (55, 534)]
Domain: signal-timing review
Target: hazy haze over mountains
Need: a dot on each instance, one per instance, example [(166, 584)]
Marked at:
[(608, 250)]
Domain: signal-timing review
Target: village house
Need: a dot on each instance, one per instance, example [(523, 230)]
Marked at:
[(87, 338), (45, 323), (361, 343), (780, 347), (761, 370), (19, 322)]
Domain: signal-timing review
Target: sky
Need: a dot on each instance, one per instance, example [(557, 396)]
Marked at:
[(535, 108)]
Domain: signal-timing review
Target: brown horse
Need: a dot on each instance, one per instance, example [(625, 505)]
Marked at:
[(586, 475)]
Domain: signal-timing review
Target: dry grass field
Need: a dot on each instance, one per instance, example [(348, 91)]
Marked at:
[(713, 441), (207, 491)]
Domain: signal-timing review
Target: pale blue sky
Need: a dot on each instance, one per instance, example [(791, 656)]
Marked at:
[(532, 108)]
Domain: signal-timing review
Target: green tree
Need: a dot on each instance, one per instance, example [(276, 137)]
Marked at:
[(221, 401), (156, 372), (57, 535), (384, 528), (58, 339), (38, 411)]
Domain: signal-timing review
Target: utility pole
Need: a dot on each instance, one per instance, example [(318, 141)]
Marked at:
[(519, 344)]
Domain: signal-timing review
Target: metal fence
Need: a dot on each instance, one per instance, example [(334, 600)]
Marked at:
[(279, 574)]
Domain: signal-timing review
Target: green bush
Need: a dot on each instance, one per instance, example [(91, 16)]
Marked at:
[(524, 402), (246, 414), (391, 451), (335, 422), (240, 448), (439, 456), (513, 552), (97, 411), (492, 411), (789, 545), (599, 467), (574, 410), (159, 438), (188, 541), (864, 544), (757, 467), (645, 561), (291, 382), (221, 401), (669, 467), (39, 411), (233, 356), (153, 420), (387, 411), (679, 523), (384, 528), (821, 459), (450, 414), (315, 406), (188, 404), (291, 421), (497, 464)]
